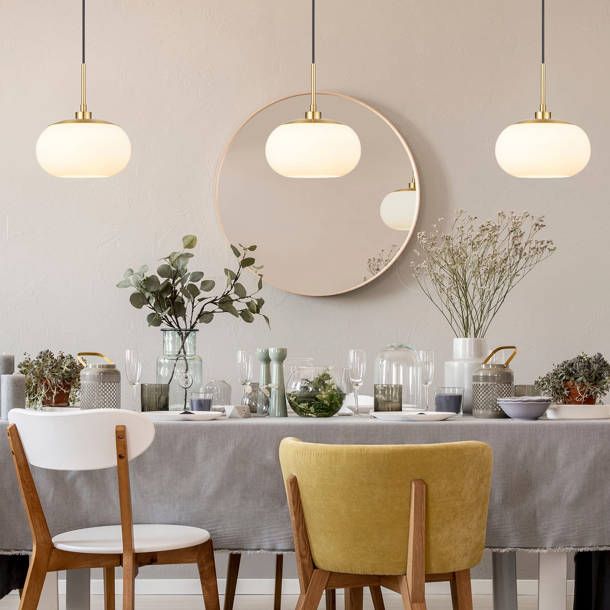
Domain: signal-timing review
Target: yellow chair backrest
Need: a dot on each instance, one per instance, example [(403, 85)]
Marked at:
[(356, 503)]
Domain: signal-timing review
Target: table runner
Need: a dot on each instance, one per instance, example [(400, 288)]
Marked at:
[(550, 490)]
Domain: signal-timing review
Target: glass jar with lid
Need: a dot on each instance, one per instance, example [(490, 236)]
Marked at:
[(397, 379)]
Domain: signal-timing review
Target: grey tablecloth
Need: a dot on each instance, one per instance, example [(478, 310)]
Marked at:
[(551, 483)]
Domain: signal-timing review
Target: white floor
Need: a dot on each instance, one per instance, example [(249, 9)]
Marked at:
[(265, 602)]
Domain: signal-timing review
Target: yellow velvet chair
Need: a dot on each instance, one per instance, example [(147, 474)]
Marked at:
[(390, 516)]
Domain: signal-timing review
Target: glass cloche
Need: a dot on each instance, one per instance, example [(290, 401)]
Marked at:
[(397, 379)]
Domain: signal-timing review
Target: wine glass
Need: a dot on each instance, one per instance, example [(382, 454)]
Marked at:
[(185, 381), (357, 370), (426, 361), (244, 367), (133, 369)]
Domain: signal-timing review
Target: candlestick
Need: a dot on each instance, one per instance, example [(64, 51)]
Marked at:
[(7, 364), (12, 393)]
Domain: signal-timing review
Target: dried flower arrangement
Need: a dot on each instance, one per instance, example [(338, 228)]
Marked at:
[(468, 272)]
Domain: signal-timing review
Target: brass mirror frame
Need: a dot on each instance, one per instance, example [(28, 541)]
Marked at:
[(415, 178)]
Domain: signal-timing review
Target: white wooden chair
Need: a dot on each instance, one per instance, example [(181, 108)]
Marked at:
[(94, 440)]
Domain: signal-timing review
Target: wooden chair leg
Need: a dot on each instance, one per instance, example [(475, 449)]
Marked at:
[(232, 575), (279, 569), (377, 597), (129, 582), (331, 599), (207, 575), (108, 588), (354, 598), (461, 592), (34, 581), (316, 587)]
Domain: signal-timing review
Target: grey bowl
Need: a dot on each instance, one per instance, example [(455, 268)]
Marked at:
[(524, 410)]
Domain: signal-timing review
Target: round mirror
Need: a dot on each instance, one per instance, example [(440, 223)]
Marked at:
[(315, 236)]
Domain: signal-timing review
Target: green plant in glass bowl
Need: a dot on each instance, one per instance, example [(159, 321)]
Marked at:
[(313, 392)]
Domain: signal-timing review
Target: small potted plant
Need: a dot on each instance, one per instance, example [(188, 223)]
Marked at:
[(582, 380), (50, 379)]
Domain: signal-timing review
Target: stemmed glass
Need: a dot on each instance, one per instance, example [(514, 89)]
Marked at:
[(357, 370), (244, 367), (426, 362), (133, 370)]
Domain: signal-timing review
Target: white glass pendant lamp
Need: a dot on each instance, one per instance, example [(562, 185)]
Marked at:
[(543, 147), (83, 147), (313, 147), (397, 210)]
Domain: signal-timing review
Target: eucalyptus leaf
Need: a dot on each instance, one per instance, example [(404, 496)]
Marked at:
[(240, 290), (189, 241), (248, 262), (207, 285), (165, 271), (151, 283), (154, 319), (192, 291), (235, 251), (126, 283), (196, 276), (138, 300), (246, 315), (206, 317)]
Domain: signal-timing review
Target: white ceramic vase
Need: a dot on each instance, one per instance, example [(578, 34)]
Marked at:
[(468, 354)]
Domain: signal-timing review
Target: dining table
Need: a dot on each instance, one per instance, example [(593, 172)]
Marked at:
[(550, 488)]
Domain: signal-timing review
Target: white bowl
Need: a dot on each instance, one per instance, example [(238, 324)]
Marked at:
[(527, 409)]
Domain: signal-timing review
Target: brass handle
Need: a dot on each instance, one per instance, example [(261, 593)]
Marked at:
[(82, 360), (495, 351)]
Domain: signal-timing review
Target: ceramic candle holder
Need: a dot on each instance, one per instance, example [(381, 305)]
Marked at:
[(7, 364), (12, 393), (277, 401)]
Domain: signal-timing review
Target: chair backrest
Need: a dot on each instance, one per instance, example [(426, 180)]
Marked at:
[(79, 440), (356, 503)]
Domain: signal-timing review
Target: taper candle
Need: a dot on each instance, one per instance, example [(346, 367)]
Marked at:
[(12, 393)]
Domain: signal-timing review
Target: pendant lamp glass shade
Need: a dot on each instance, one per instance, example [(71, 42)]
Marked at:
[(83, 147), (316, 149), (397, 210), (543, 147), (313, 147)]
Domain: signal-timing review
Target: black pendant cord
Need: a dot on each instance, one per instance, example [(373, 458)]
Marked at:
[(543, 31), (83, 34), (313, 31)]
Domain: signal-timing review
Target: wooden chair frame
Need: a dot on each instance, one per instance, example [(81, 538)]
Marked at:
[(411, 585), (46, 558)]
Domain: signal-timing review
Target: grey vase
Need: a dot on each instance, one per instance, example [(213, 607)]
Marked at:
[(277, 401)]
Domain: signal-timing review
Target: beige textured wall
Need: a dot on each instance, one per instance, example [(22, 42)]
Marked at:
[(181, 76)]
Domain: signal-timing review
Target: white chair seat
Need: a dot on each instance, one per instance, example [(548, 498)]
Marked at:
[(148, 538)]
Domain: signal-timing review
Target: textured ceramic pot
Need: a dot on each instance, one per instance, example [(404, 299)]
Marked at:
[(468, 354)]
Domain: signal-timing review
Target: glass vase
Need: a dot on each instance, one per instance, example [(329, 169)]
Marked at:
[(180, 367)]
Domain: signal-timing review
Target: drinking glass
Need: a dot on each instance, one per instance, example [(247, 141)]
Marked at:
[(133, 369), (244, 368), (357, 370), (426, 361), (449, 399)]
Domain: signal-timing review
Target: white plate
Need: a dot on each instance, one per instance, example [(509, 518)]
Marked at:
[(578, 412), (412, 415), (177, 416)]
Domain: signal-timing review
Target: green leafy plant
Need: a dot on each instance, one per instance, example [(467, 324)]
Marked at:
[(50, 376), (318, 397), (468, 272), (581, 380), (180, 299)]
